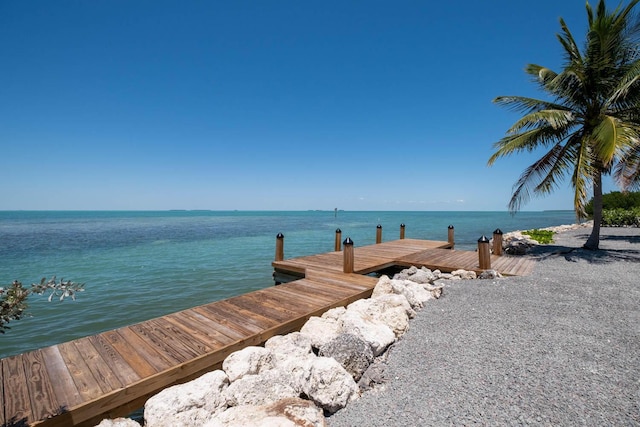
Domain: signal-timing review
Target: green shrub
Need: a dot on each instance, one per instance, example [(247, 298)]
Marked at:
[(541, 236), (621, 217), (616, 200)]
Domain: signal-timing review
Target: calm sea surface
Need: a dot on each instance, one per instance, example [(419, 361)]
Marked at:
[(140, 265)]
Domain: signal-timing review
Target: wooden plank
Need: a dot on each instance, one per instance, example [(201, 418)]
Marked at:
[(307, 302), (225, 308), (88, 387), (120, 368), (17, 404), (64, 387), (218, 331), (260, 305), (101, 371), (180, 338), (198, 329), (43, 398), (222, 324), (142, 359), (163, 343), (293, 304)]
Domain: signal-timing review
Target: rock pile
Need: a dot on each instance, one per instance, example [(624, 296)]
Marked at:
[(296, 379), (516, 243)]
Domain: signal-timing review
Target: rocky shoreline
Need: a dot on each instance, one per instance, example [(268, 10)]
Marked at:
[(302, 377), (335, 371)]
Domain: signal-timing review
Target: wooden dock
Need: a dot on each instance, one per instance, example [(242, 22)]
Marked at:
[(113, 373), (434, 255)]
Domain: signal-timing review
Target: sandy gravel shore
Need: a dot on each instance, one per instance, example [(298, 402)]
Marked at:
[(559, 347)]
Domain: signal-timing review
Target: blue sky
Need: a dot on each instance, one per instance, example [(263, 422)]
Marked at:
[(359, 105)]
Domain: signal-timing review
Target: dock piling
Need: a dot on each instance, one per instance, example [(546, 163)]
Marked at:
[(338, 238), (450, 236), (378, 233), (280, 247), (484, 255), (497, 242), (347, 265), (401, 231)]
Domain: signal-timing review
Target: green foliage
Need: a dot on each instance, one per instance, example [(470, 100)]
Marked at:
[(13, 299), (621, 217), (617, 200), (543, 237)]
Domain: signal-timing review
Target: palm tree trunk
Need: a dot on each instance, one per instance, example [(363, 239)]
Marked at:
[(593, 243)]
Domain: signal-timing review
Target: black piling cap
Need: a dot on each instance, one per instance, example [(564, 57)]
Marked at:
[(348, 241), (378, 226), (280, 236), (402, 225), (450, 227), (483, 239), (338, 230), (498, 231)]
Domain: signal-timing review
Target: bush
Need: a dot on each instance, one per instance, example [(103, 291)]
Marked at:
[(543, 237), (616, 200), (621, 217)]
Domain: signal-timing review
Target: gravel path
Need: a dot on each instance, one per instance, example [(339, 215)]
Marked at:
[(559, 347)]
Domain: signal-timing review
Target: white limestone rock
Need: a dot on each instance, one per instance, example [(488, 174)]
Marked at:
[(383, 287), (293, 412), (422, 276), (248, 361), (293, 344), (334, 313), (352, 352), (119, 422), (378, 335), (387, 310), (320, 330), (464, 274), (415, 293), (262, 389), (327, 383), (189, 404), (396, 300)]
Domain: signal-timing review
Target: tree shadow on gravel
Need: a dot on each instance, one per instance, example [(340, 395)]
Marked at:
[(574, 252)]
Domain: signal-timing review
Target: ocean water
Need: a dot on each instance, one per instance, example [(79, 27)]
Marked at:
[(141, 265)]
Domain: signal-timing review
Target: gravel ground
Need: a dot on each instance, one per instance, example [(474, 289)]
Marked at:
[(559, 347)]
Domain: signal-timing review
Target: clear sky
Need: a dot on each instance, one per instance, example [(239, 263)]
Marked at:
[(284, 105)]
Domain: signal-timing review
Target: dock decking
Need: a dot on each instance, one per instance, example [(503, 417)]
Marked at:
[(113, 373), (405, 253)]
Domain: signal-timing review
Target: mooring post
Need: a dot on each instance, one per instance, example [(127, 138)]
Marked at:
[(378, 233), (484, 254), (450, 237), (401, 231), (497, 242), (279, 247), (338, 238), (348, 256)]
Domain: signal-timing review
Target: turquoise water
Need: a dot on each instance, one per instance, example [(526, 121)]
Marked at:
[(140, 265)]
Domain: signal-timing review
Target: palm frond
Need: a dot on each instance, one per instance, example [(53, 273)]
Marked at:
[(527, 141), (557, 119), (582, 176), (540, 177), (526, 104), (572, 52), (627, 171), (612, 138)]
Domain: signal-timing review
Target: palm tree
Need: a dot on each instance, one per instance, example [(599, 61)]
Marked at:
[(592, 125)]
